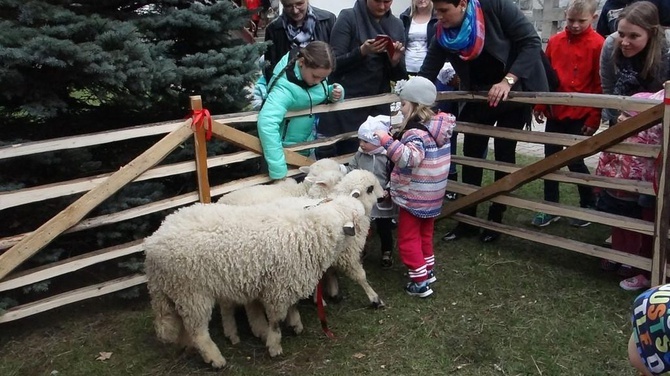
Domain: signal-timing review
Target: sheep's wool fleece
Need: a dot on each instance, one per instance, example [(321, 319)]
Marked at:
[(242, 253), (248, 196)]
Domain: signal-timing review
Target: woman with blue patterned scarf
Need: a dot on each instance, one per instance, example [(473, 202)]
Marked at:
[(493, 47)]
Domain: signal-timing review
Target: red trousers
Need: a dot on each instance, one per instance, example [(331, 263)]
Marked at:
[(415, 244), (633, 242)]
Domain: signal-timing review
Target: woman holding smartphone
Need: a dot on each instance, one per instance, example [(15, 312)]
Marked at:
[(364, 66)]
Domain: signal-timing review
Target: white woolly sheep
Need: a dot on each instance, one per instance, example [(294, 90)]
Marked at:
[(349, 260), (327, 171), (272, 253), (324, 175)]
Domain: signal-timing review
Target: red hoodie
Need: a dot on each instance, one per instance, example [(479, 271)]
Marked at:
[(576, 60)]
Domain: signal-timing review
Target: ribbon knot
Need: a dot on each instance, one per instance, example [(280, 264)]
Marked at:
[(198, 118)]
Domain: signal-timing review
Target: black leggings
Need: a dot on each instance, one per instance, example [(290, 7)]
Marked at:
[(385, 232), (506, 115)]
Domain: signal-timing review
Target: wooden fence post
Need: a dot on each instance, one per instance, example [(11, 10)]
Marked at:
[(661, 224), (200, 142)]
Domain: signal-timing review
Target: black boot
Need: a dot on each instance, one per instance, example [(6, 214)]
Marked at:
[(495, 214), (460, 231)]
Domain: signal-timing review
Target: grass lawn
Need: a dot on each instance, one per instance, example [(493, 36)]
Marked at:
[(508, 308)]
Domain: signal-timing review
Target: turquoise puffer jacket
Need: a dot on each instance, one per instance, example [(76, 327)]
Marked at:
[(288, 92)]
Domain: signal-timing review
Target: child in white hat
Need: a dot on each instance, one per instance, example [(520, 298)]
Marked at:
[(421, 154), (372, 157)]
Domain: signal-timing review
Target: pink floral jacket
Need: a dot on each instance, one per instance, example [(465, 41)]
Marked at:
[(629, 166)]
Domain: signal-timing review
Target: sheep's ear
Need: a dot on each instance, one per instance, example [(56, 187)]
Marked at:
[(317, 181), (355, 193), (371, 189), (304, 169), (349, 229), (310, 179)]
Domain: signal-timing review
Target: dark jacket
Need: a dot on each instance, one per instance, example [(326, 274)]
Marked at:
[(281, 45), (607, 21), (510, 38), (407, 21), (361, 75)]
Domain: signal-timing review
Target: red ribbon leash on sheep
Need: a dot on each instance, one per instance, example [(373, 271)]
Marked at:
[(321, 311), (198, 118)]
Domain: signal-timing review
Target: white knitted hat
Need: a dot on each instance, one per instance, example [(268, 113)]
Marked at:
[(418, 90), (366, 131)]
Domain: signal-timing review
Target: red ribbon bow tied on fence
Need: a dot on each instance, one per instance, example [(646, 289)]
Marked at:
[(198, 118)]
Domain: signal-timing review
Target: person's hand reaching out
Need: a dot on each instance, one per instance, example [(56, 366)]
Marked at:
[(336, 94)]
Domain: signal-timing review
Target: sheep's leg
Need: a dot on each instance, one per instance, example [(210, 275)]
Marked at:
[(184, 340), (228, 322), (257, 320), (167, 323), (293, 319), (195, 314), (275, 315), (330, 284), (355, 271)]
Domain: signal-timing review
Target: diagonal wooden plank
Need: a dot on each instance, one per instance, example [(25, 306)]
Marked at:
[(249, 142), (579, 150), (37, 239)]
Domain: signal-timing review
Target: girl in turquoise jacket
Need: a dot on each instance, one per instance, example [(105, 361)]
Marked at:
[(298, 82)]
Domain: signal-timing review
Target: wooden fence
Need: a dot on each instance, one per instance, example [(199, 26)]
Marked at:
[(20, 247)]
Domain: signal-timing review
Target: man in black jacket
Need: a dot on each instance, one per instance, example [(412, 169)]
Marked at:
[(299, 24)]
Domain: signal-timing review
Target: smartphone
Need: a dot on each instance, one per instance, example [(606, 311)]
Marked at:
[(389, 43)]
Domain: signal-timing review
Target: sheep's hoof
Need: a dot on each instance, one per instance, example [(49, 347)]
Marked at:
[(298, 328), (379, 304), (274, 351), (234, 340), (219, 363)]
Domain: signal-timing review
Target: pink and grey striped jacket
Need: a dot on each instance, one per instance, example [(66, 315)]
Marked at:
[(422, 157)]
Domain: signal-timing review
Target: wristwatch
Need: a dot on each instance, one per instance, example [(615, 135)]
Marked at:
[(510, 80)]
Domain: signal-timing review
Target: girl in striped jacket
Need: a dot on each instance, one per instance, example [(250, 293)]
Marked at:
[(421, 154)]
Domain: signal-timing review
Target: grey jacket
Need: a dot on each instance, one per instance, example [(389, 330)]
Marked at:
[(608, 75), (377, 164), (510, 38)]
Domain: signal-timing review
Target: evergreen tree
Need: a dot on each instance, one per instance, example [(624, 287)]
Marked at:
[(120, 62)]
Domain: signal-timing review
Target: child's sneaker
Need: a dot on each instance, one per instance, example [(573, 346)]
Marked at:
[(575, 222), (431, 277), (544, 219), (638, 282), (387, 260), (421, 290)]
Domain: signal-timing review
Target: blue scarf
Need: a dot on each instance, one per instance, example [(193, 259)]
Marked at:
[(468, 39)]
